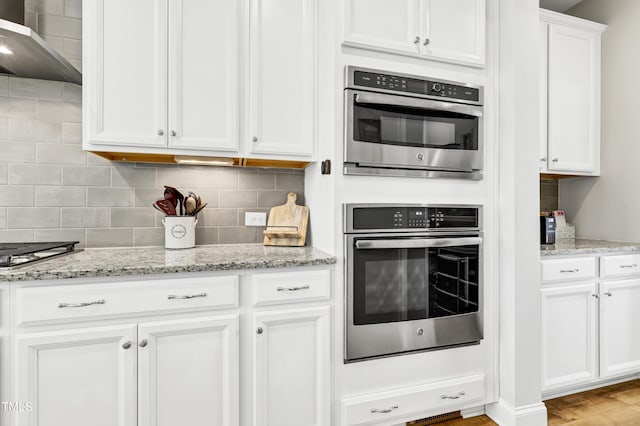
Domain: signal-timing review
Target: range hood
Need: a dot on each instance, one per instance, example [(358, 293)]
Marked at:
[(24, 53)]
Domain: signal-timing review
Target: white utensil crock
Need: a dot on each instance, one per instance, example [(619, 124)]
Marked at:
[(179, 232)]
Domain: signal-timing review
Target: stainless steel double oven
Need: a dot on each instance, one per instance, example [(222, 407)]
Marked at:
[(414, 278)]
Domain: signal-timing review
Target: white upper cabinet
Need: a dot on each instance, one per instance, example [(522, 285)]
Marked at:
[(282, 76), (203, 74), (570, 81), (443, 30), (125, 76)]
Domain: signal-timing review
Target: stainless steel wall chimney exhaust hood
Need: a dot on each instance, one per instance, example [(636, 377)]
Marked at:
[(24, 53)]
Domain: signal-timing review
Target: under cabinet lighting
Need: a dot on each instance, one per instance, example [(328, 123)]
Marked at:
[(5, 50), (207, 161)]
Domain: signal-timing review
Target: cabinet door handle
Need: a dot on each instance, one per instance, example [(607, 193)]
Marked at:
[(186, 296), (254, 139), (569, 271), (126, 345), (81, 305), (259, 330), (597, 296), (543, 159), (173, 133), (302, 287), (417, 40), (143, 343), (555, 160), (160, 132), (385, 410), (629, 266), (461, 393), (608, 293), (426, 42)]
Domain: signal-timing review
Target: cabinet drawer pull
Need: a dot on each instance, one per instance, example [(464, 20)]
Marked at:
[(629, 266), (569, 271), (385, 410), (302, 287), (81, 305), (417, 40), (186, 296), (607, 293), (597, 296), (426, 42), (461, 393)]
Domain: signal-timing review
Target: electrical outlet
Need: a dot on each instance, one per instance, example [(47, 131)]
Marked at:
[(255, 219)]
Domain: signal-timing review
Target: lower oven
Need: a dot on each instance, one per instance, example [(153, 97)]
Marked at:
[(414, 278)]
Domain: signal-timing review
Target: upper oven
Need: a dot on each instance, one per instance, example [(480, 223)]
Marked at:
[(402, 125)]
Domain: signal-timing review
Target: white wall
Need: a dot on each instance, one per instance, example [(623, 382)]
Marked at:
[(606, 207)]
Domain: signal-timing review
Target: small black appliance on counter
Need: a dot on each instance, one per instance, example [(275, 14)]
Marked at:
[(547, 229)]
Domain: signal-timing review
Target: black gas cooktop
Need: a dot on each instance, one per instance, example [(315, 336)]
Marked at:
[(19, 254)]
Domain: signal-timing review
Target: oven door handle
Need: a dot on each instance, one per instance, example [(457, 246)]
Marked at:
[(417, 243), (393, 100)]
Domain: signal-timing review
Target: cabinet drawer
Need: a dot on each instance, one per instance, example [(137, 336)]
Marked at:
[(286, 287), (422, 400), (568, 269), (94, 301), (615, 266)]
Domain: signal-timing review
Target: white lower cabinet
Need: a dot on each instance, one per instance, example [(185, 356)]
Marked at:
[(291, 367)]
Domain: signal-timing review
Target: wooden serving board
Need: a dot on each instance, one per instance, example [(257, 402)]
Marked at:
[(287, 225)]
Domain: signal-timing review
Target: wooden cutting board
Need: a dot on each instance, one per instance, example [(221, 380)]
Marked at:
[(287, 225)]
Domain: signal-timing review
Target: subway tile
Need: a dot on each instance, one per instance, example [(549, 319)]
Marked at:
[(16, 235), (96, 160), (209, 196), (249, 179), (4, 173), (72, 92), (59, 111), (110, 197), (133, 217), (241, 214), (86, 176), (182, 178), (19, 152), (289, 182), (60, 26), (120, 237), (4, 128), (72, 50), (4, 85), (143, 237), (53, 7), (30, 217), (72, 133), (36, 131), (61, 196), (240, 198), (73, 8), (62, 235), (237, 235), (17, 195), (277, 198), (3, 218), (83, 217), (60, 154), (76, 64), (125, 174), (146, 197), (38, 89), (217, 217), (31, 20), (56, 43), (217, 178), (34, 174), (17, 108), (206, 235)]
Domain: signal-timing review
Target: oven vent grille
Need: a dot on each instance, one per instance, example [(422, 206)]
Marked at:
[(436, 419)]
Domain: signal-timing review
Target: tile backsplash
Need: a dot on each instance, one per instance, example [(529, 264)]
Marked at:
[(50, 189), (548, 195)]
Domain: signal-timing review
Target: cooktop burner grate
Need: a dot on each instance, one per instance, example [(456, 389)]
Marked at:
[(19, 254)]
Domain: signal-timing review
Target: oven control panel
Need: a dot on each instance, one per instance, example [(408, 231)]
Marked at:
[(410, 218)]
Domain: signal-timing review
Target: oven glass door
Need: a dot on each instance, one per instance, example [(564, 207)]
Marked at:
[(408, 279), (429, 126)]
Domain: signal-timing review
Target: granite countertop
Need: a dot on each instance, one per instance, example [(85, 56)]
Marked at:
[(579, 246), (111, 262)]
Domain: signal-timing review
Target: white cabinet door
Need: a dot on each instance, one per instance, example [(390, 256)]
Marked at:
[(189, 372), (619, 319), (282, 77), (544, 67), (569, 330), (78, 377), (204, 74), (391, 25), (454, 30), (573, 99), (125, 72), (291, 368)]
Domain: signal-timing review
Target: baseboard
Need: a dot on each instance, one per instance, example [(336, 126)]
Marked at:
[(472, 412), (528, 415)]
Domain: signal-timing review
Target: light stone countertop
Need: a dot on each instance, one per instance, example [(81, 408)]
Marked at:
[(110, 262), (580, 246)]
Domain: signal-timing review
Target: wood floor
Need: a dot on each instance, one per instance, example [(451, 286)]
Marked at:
[(612, 405)]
